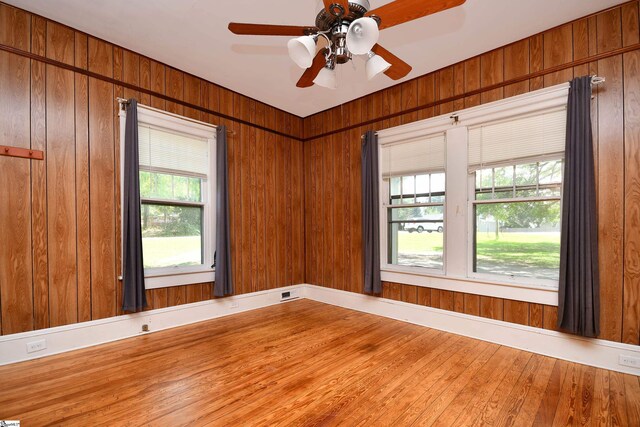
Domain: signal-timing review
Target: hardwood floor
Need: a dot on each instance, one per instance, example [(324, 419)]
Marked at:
[(306, 363)]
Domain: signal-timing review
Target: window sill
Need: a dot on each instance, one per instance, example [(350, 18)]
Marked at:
[(484, 287), (156, 280)]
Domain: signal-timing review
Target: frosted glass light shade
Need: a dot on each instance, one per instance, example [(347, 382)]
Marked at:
[(327, 78), (362, 35), (302, 50), (375, 65)]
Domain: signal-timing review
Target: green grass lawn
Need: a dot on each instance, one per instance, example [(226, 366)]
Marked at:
[(171, 251), (534, 254)]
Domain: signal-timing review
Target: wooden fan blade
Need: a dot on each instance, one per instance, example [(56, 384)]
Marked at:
[(401, 11), (398, 68), (270, 30), (343, 3), (310, 73)]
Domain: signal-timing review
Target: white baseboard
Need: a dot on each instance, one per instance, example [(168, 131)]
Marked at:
[(593, 352), (13, 348)]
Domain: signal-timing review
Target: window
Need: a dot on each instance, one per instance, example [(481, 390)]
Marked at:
[(516, 203), (472, 203), (177, 170), (516, 215), (414, 175)]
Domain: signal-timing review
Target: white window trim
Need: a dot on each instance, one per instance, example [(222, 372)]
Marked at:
[(177, 276), (457, 274)]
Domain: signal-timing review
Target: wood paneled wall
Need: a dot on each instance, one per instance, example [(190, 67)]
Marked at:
[(59, 218), (605, 44)]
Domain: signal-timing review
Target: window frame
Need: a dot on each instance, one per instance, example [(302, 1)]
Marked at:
[(385, 206), (533, 282), (176, 276), (458, 213)]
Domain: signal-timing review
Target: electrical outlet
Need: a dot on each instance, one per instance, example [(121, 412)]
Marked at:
[(34, 346), (632, 362), (234, 304), (288, 295)]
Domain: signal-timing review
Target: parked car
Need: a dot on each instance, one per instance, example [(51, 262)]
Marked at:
[(429, 227)]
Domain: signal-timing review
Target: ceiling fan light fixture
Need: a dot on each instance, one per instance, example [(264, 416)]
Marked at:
[(327, 77), (363, 33), (302, 50), (375, 65)]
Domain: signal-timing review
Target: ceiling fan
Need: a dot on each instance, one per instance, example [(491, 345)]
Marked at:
[(349, 28)]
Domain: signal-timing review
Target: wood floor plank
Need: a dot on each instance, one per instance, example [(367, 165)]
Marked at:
[(491, 373), (307, 363), (549, 405), (500, 397), (600, 405), (617, 410)]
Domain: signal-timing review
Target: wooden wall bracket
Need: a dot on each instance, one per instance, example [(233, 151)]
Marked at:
[(25, 153)]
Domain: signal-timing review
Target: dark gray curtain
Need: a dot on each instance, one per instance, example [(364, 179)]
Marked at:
[(370, 214), (134, 297), (224, 280), (579, 285)]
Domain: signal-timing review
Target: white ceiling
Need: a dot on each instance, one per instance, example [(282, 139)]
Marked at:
[(192, 35)]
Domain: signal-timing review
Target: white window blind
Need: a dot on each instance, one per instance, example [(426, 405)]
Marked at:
[(517, 140), (426, 155), (171, 152)]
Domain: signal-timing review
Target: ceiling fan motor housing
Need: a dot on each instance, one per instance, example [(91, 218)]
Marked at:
[(338, 25), (357, 9)]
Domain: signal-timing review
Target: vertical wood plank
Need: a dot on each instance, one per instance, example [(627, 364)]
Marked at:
[(355, 277), (516, 64), (16, 291), (609, 30), (297, 220), (446, 87), (61, 200), (39, 177), (409, 293), (260, 218), (492, 308), (424, 296), (550, 317), (338, 211), (536, 60), (631, 309), (458, 302), (272, 200), (288, 211), (83, 242), (131, 73), (492, 72), (516, 312), (611, 197), (472, 304), (192, 95), (472, 81), (102, 178), (630, 24), (15, 27), (176, 295), (558, 50), (409, 99), (175, 89), (158, 83), (536, 315), (246, 151)]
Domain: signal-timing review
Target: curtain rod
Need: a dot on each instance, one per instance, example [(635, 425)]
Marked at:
[(595, 81), (124, 101)]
